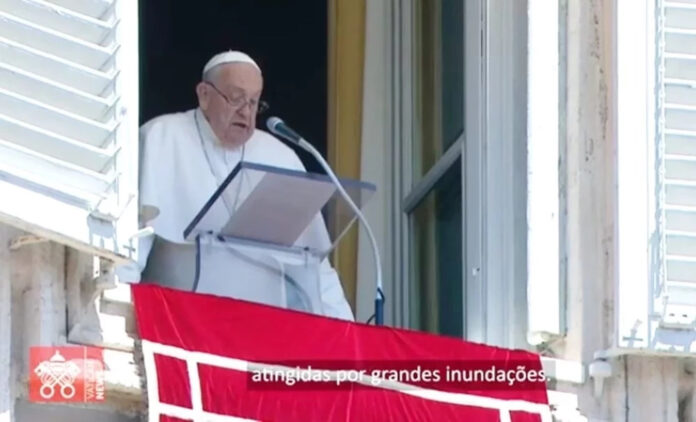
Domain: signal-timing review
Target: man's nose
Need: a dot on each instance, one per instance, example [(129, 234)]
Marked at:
[(245, 110)]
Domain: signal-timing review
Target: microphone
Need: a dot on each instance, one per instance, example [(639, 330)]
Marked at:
[(278, 127)]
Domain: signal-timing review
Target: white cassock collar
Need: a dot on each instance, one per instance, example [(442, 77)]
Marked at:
[(220, 160)]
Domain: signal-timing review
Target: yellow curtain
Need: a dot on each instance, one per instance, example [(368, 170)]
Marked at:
[(346, 60), (428, 149)]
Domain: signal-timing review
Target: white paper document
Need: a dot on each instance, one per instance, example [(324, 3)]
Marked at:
[(279, 209)]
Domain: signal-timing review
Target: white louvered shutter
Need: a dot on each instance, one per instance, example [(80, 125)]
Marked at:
[(68, 121), (677, 160)]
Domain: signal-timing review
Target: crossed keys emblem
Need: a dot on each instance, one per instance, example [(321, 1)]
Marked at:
[(57, 372)]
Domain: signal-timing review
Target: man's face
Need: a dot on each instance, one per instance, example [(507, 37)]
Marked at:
[(230, 102)]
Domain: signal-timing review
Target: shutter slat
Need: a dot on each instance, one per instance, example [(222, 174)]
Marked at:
[(680, 93), (54, 119), (98, 9), (680, 56), (681, 243), (680, 68), (62, 20), (681, 268), (681, 293), (681, 41), (59, 175), (680, 167), (680, 117), (681, 158), (678, 233), (680, 193), (680, 15), (50, 41), (62, 71), (56, 94), (681, 31), (680, 145), (54, 145), (681, 218), (685, 82), (683, 133)]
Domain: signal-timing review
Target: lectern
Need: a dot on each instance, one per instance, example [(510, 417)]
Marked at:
[(264, 234)]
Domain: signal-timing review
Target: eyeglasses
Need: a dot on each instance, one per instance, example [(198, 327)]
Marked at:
[(241, 101)]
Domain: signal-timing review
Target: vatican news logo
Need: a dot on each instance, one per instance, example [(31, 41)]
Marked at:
[(66, 374)]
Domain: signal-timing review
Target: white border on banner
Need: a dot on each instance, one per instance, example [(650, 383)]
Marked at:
[(196, 413)]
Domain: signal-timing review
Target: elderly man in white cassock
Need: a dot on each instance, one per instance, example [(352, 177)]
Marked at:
[(185, 157)]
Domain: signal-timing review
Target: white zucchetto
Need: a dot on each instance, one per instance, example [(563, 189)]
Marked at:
[(229, 57)]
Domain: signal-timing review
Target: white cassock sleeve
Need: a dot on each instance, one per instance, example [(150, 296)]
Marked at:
[(332, 296)]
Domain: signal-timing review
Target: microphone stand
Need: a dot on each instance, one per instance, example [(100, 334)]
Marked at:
[(379, 298)]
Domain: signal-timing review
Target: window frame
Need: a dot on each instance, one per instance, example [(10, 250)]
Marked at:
[(495, 295), (414, 191)]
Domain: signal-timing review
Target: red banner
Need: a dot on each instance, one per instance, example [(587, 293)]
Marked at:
[(220, 359)]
